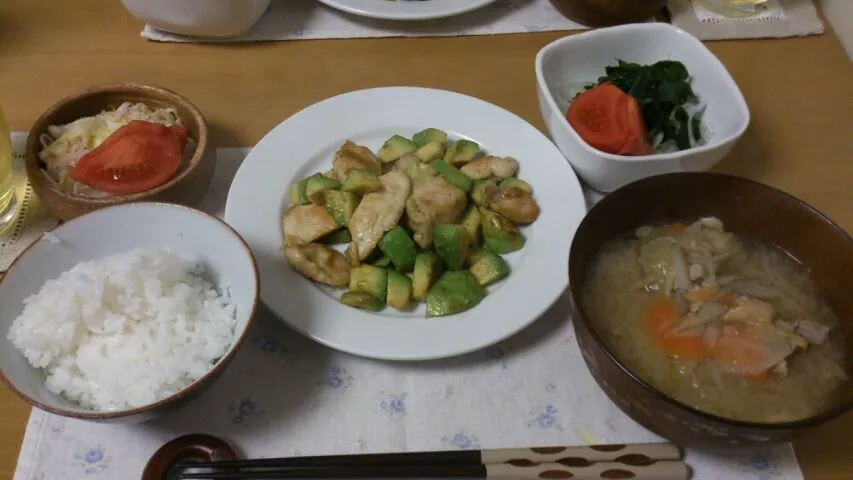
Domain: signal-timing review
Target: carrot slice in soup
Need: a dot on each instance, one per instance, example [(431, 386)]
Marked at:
[(742, 352), (610, 120), (659, 320)]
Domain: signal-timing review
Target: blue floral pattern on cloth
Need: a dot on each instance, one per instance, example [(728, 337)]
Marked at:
[(462, 441), (337, 379), (763, 466), (547, 418), (244, 410), (270, 345), (394, 404), (93, 461)]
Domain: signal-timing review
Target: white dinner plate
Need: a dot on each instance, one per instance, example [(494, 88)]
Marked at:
[(304, 144), (407, 9)]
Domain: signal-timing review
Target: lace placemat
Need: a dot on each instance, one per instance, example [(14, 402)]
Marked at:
[(285, 395), (309, 19), (777, 19), (32, 219)]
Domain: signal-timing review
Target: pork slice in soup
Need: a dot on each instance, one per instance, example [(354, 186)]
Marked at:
[(717, 321)]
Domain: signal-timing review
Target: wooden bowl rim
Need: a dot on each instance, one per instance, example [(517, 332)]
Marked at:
[(578, 314), (33, 145)]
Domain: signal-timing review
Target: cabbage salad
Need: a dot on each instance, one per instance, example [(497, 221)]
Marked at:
[(64, 145)]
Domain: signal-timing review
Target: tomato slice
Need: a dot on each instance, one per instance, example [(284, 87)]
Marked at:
[(610, 120), (137, 157)]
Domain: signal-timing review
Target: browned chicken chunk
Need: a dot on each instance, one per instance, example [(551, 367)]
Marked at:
[(433, 202), (490, 166), (351, 156), (379, 212), (305, 223), (319, 263)]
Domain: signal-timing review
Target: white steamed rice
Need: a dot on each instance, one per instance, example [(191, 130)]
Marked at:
[(126, 330)]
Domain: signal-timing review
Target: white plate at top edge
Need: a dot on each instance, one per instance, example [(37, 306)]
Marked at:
[(304, 143), (406, 9)]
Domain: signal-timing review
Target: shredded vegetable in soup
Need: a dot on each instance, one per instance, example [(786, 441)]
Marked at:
[(730, 326), (65, 145)]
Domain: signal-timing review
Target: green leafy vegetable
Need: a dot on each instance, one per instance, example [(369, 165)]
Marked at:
[(671, 110)]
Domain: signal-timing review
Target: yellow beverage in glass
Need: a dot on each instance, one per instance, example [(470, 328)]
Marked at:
[(735, 8), (8, 205)]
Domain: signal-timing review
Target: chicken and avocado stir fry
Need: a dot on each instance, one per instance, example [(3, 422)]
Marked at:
[(425, 220)]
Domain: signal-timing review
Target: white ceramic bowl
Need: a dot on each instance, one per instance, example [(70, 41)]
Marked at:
[(564, 66), (118, 229), (199, 18)]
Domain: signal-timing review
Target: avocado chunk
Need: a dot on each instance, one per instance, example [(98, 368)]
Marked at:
[(427, 269), (316, 186), (394, 148), (512, 182), (369, 279), (336, 237), (474, 255), (452, 175), (340, 205), (360, 181), (296, 194), (500, 235), (462, 151), (429, 152), (454, 292), (430, 135), (477, 189), (471, 220), (383, 262), (361, 300), (399, 290), (489, 268), (399, 248), (451, 244)]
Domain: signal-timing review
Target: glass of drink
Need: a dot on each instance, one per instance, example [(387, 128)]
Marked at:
[(735, 8), (8, 204)]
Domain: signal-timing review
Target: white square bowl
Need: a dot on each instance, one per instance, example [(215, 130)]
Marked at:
[(564, 66)]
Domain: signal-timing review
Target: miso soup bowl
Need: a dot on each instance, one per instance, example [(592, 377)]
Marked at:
[(749, 209)]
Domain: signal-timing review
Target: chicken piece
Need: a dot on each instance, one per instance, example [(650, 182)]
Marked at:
[(319, 263), (305, 223), (351, 156), (513, 203), (486, 167), (812, 331), (753, 312), (433, 202), (379, 212), (695, 271), (780, 369)]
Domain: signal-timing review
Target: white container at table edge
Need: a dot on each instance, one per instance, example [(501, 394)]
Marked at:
[(199, 18), (565, 65)]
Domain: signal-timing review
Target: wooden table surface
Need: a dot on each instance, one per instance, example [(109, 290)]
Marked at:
[(798, 90)]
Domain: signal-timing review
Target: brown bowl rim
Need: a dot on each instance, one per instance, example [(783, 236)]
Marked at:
[(580, 315), (218, 367), (33, 145)]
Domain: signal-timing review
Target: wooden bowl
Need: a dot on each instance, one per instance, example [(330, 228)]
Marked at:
[(186, 187), (606, 13), (747, 208)]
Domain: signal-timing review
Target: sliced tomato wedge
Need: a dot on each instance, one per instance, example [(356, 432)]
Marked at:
[(610, 120), (137, 157)]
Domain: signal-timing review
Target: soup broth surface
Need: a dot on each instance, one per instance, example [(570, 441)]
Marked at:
[(727, 325)]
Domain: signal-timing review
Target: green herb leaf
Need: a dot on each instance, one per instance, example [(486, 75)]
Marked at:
[(663, 91)]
